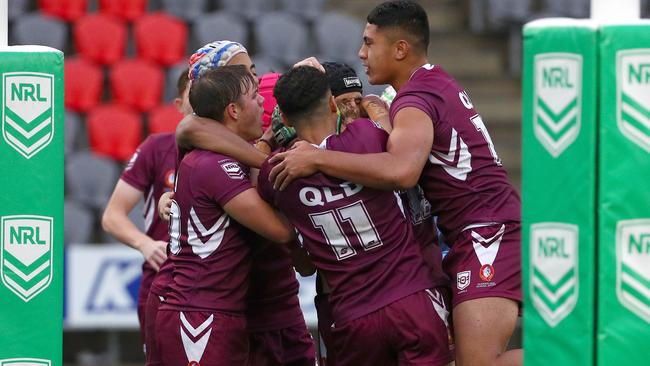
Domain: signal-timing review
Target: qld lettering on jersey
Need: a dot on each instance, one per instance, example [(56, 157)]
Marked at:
[(317, 196)]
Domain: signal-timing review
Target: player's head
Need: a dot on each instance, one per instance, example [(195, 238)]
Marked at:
[(396, 31), (182, 100), (219, 53), (346, 89), (304, 96), (229, 95)]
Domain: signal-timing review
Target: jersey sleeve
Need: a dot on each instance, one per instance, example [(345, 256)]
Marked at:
[(139, 172), (221, 179), (264, 187), (414, 100)]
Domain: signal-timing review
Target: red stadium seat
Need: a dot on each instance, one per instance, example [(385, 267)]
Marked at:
[(164, 118), (114, 131), (100, 38), (125, 9), (137, 83), (68, 10), (160, 38), (84, 82)]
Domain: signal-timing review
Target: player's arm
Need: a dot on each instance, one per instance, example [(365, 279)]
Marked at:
[(194, 131), (116, 222), (408, 148), (301, 261), (250, 210)]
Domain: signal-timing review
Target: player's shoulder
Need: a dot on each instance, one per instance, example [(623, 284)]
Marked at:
[(210, 165), (360, 136), (429, 79)]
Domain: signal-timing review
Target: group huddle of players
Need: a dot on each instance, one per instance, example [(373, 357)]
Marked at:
[(339, 184)]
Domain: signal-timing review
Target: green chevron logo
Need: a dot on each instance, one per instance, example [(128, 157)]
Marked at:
[(26, 254), (558, 100), (554, 270), (25, 362), (27, 111), (633, 95), (633, 266)]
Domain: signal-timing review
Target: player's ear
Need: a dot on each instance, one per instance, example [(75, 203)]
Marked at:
[(332, 104), (177, 103), (232, 111), (401, 50)]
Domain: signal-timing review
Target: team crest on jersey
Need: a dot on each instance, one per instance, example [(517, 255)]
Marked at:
[(486, 273), (558, 100), (27, 254), (554, 269), (27, 111), (233, 170), (463, 279), (170, 178), (633, 266), (25, 362), (633, 95)]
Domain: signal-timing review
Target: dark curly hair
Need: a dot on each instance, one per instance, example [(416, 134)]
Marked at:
[(405, 15), (300, 92)]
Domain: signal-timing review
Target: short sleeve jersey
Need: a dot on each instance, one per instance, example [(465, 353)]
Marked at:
[(151, 170), (357, 237), (209, 250), (463, 178)]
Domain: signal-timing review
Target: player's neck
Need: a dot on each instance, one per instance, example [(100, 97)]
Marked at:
[(406, 70), (315, 132)]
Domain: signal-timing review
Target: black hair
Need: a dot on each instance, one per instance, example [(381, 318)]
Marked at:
[(300, 91), (211, 93), (406, 15), (182, 83)]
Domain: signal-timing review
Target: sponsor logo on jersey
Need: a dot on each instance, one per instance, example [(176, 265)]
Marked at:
[(233, 170), (170, 178), (486, 273), (25, 362), (463, 279), (26, 254), (27, 111), (558, 100), (633, 266), (633, 95), (554, 269)]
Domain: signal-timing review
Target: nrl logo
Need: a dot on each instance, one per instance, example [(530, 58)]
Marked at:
[(27, 111), (557, 100), (26, 254), (554, 270), (25, 362), (633, 95), (633, 266)]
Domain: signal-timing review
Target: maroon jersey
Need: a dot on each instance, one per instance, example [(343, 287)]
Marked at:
[(209, 250), (273, 292), (151, 170), (357, 237), (463, 179)]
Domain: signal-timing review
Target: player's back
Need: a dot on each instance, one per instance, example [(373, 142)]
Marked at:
[(463, 178), (209, 250), (357, 237)]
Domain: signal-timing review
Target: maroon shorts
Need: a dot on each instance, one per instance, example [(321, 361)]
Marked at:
[(485, 262), (201, 338), (289, 346), (143, 294), (411, 331), (325, 347), (151, 350)]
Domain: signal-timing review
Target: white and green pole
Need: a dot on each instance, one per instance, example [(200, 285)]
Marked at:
[(31, 203)]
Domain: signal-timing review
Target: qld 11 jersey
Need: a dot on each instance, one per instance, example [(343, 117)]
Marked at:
[(463, 178), (357, 237)]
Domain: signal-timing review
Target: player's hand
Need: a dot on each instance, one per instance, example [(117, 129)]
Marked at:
[(311, 61), (374, 107), (295, 163), (154, 252), (165, 205)]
